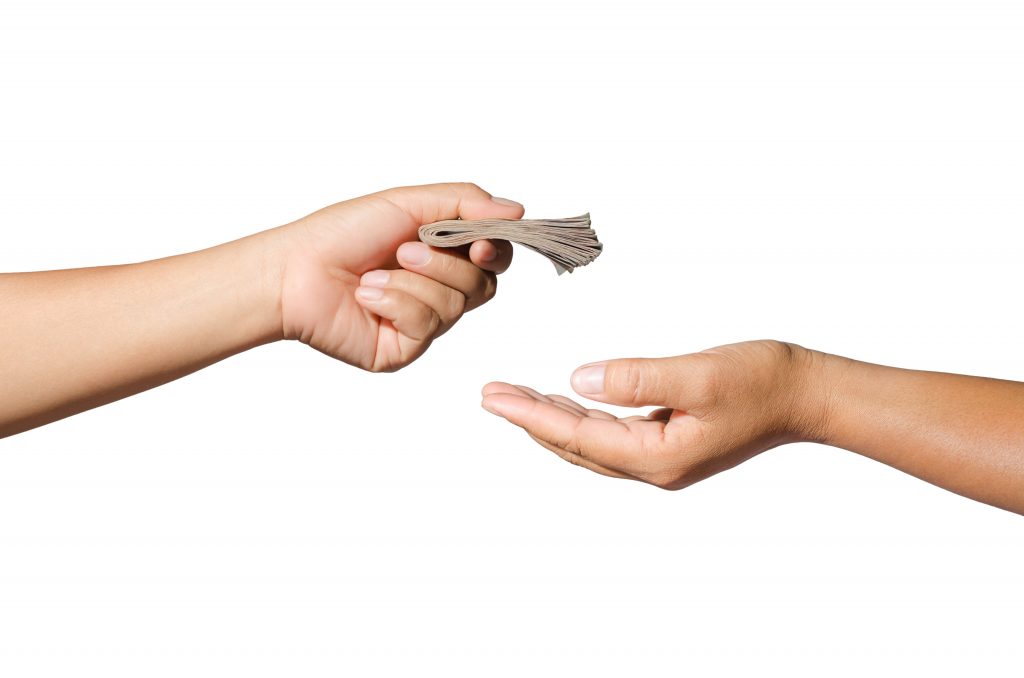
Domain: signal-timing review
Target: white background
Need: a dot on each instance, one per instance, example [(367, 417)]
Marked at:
[(845, 175)]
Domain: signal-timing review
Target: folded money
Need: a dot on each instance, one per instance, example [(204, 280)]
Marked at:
[(568, 243)]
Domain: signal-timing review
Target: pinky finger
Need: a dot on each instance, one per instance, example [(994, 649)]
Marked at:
[(409, 315)]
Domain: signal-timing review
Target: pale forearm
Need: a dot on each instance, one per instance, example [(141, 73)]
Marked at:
[(351, 280), (72, 340), (959, 432)]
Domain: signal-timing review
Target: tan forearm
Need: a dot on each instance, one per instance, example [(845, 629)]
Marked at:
[(959, 432), (72, 340)]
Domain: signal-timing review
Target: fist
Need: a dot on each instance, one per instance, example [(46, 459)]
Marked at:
[(357, 284)]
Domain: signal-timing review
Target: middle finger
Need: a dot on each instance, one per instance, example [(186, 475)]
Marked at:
[(450, 269)]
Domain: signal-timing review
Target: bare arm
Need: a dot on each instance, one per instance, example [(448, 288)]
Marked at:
[(725, 405), (73, 340), (351, 280), (963, 433)]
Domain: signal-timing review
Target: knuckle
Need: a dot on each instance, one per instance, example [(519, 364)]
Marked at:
[(562, 443), (455, 305), (571, 443), (422, 324), (463, 189), (490, 287), (481, 290), (447, 264), (780, 350), (627, 379), (433, 322), (400, 279)]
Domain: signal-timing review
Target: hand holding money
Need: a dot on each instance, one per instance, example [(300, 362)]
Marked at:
[(568, 243)]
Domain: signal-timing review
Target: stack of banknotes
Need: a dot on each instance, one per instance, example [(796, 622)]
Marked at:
[(568, 243)]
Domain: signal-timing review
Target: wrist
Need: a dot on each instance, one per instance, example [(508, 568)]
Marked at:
[(816, 381), (264, 255)]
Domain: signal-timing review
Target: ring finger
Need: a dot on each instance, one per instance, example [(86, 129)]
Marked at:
[(448, 303)]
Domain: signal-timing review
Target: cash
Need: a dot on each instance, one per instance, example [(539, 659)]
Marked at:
[(568, 243)]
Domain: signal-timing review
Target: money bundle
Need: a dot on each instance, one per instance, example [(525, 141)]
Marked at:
[(568, 243)]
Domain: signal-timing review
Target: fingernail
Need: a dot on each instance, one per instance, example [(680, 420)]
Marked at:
[(375, 278), (505, 201), (589, 379), (369, 293), (415, 253)]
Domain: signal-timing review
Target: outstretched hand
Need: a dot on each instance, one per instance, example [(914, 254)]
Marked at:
[(359, 286), (717, 409)]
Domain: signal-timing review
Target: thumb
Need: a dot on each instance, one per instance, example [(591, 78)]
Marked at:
[(680, 382), (437, 202)]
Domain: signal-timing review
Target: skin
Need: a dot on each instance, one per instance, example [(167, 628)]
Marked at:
[(720, 407), (350, 280)]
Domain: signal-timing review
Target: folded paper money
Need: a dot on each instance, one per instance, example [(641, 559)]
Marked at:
[(568, 243)]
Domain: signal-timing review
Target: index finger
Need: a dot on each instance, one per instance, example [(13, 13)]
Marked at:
[(608, 443)]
